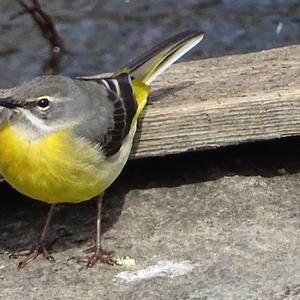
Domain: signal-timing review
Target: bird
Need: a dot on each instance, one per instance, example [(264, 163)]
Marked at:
[(65, 140)]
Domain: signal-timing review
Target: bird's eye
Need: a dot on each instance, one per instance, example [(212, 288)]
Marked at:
[(43, 103)]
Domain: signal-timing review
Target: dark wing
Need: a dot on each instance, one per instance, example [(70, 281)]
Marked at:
[(120, 93)]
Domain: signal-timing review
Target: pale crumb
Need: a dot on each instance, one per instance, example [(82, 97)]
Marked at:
[(126, 261), (282, 171)]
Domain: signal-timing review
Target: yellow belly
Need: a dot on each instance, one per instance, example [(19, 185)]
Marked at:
[(60, 167)]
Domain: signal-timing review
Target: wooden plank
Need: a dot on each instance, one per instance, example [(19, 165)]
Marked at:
[(221, 101)]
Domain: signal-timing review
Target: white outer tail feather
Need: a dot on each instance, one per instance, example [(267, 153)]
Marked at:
[(177, 55)]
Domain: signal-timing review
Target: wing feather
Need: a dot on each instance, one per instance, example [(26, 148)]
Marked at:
[(120, 93)]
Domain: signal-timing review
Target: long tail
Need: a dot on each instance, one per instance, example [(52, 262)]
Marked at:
[(146, 68)]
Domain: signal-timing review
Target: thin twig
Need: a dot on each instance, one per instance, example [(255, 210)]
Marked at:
[(48, 30)]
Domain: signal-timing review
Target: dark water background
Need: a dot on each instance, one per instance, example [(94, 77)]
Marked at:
[(103, 35)]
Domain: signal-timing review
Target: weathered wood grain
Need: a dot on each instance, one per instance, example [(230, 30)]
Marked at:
[(223, 101)]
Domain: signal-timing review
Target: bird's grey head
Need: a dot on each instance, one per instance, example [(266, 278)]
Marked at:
[(47, 104)]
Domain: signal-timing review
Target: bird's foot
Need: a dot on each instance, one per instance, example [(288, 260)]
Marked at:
[(97, 255), (33, 253)]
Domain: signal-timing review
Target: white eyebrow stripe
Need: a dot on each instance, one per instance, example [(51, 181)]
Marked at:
[(45, 96), (35, 99)]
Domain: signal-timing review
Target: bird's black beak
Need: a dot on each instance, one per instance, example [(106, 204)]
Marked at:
[(9, 102)]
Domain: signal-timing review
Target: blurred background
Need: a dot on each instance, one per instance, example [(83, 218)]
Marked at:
[(101, 36)]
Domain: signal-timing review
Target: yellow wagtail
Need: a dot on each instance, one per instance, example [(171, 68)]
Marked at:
[(66, 140)]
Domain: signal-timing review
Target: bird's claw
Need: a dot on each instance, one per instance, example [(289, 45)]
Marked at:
[(32, 254), (97, 255)]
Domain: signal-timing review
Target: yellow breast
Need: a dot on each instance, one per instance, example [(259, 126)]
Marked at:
[(59, 167)]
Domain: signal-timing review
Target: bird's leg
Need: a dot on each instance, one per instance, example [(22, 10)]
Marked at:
[(41, 248), (98, 254)]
